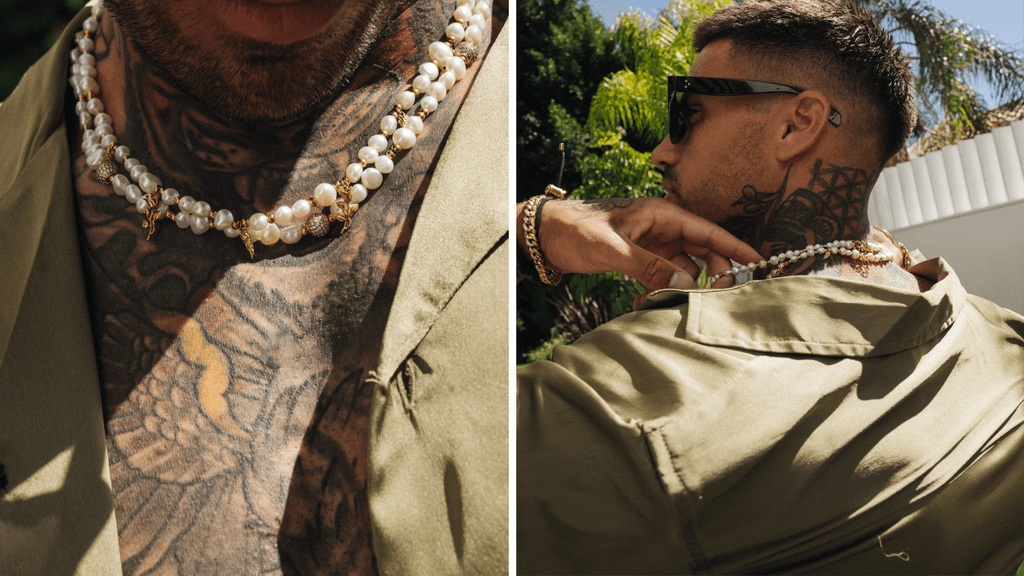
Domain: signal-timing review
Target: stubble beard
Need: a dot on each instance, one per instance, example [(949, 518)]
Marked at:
[(247, 80)]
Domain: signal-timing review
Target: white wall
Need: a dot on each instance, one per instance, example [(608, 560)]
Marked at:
[(985, 248), (964, 203)]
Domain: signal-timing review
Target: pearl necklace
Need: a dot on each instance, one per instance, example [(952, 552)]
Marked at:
[(330, 201), (855, 249)]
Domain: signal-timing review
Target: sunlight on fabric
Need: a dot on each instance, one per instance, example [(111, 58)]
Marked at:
[(46, 480)]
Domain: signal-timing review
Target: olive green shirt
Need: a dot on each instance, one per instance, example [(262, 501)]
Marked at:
[(802, 424)]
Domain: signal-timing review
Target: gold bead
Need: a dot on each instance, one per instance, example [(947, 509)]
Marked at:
[(467, 51), (317, 225), (105, 171)]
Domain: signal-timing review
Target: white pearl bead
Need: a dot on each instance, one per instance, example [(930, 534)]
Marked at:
[(482, 9), (475, 35), (353, 172), (448, 79), (148, 183), (132, 193), (463, 14), (223, 219), (199, 224), (455, 32), (120, 183), (479, 20), (186, 204), (429, 69), (97, 10), (421, 83), (258, 221), (131, 163), (94, 159), (283, 215), (378, 142), (325, 194), (388, 124), (202, 209), (271, 234), (368, 154), (122, 153), (169, 196), (440, 53), (415, 124), (183, 219), (90, 24), (85, 119), (469, 3), (291, 234), (437, 91), (384, 164), (428, 103), (86, 44), (457, 66), (94, 106), (104, 130), (75, 53), (232, 232), (301, 209), (142, 205), (358, 193), (137, 171), (404, 138), (102, 119), (774, 260), (405, 99), (88, 85), (372, 179), (108, 140)]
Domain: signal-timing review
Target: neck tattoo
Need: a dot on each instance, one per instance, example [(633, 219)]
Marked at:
[(330, 202)]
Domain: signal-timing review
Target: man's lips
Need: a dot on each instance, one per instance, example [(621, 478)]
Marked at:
[(274, 21)]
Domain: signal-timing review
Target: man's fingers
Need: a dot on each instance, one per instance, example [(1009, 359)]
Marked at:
[(656, 272), (716, 265)]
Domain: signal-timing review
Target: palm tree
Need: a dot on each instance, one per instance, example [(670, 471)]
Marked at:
[(950, 56)]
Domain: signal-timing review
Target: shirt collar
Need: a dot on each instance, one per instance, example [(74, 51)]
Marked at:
[(819, 316)]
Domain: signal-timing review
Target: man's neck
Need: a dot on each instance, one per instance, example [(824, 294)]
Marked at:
[(248, 166), (823, 203)]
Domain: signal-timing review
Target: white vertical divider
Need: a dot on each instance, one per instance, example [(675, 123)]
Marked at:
[(995, 189), (896, 203), (880, 199), (1010, 162), (957, 184), (923, 185), (908, 191), (940, 183), (1018, 137), (972, 173)]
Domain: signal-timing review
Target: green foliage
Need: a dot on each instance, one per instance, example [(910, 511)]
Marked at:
[(543, 352), (27, 30), (564, 52)]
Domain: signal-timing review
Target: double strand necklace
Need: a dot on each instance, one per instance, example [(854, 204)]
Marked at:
[(330, 202), (867, 252)]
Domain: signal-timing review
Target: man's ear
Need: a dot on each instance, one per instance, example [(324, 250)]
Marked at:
[(806, 119)]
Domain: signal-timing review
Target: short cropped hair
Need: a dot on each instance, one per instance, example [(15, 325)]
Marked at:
[(836, 44)]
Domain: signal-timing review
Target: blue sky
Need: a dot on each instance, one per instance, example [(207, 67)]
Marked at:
[(1003, 19)]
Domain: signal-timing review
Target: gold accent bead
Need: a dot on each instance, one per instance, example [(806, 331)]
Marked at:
[(467, 51), (318, 225), (105, 171)]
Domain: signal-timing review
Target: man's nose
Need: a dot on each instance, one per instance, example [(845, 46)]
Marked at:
[(665, 154)]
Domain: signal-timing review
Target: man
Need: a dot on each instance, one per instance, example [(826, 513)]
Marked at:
[(321, 408), (851, 411)]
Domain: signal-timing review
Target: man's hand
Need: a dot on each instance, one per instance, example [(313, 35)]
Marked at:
[(649, 239)]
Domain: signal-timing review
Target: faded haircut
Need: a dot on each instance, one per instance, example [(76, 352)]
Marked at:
[(837, 45)]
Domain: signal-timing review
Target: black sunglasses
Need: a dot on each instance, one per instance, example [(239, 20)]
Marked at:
[(678, 86)]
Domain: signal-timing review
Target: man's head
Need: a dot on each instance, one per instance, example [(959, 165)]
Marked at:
[(253, 59), (741, 144)]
